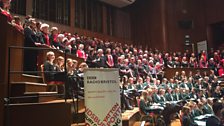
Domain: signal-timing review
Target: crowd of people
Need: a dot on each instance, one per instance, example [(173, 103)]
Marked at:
[(195, 95), (132, 61), (141, 70)]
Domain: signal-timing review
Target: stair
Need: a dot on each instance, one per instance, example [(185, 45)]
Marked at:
[(36, 97), (32, 78), (19, 88), (39, 114), (77, 117)]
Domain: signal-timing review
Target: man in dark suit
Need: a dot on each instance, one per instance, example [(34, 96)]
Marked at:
[(207, 107), (193, 94), (30, 56), (100, 59), (169, 95), (176, 95), (155, 96)]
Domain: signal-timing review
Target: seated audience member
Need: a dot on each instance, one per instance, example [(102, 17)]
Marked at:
[(193, 61), (58, 43), (207, 105), (156, 96), (109, 58), (123, 67), (215, 120), (177, 63), (186, 119), (50, 69), (202, 63), (169, 95), (66, 45), (139, 85), (170, 63), (80, 52), (80, 71), (26, 21), (69, 67), (73, 79), (91, 59), (44, 36), (217, 93), (72, 42), (53, 37), (126, 97), (75, 64), (195, 111), (176, 95), (100, 59), (17, 23), (221, 69), (133, 66), (144, 103), (38, 31), (5, 10), (184, 62), (60, 64), (150, 96), (193, 94)]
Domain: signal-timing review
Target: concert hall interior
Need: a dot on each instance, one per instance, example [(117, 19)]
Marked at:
[(151, 62)]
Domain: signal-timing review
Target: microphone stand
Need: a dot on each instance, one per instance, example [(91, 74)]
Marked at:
[(122, 95)]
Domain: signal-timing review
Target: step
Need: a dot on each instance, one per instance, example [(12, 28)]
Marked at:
[(19, 88), (44, 96), (81, 103), (77, 117), (36, 97), (32, 78), (39, 114)]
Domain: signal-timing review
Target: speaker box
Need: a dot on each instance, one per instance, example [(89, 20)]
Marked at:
[(185, 24)]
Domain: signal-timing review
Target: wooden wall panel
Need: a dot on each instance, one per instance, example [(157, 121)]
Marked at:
[(122, 24), (214, 11), (146, 23), (156, 28), (176, 11)]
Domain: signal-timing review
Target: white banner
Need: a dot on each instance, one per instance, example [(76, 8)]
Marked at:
[(202, 46), (102, 97)]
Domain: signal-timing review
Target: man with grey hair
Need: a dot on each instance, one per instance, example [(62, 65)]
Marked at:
[(100, 59)]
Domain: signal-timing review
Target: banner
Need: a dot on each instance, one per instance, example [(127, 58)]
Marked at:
[(202, 46), (102, 97)]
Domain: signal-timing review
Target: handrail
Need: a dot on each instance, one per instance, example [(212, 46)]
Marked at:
[(16, 72), (34, 48), (9, 98)]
